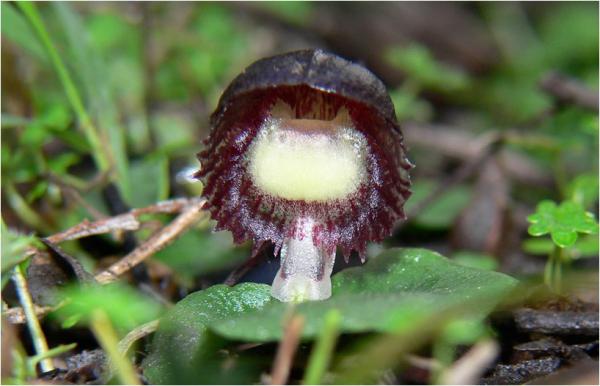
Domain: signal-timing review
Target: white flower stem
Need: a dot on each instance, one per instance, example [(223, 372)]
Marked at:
[(305, 272)]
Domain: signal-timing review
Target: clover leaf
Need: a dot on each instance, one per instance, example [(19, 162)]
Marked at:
[(562, 222)]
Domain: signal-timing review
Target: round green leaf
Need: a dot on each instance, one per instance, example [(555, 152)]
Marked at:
[(564, 239), (396, 291), (562, 222), (538, 229)]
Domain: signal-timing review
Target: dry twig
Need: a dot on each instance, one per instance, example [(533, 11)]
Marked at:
[(16, 315), (471, 366), (158, 241), (191, 211), (287, 350), (429, 364), (569, 90), (124, 222), (463, 145)]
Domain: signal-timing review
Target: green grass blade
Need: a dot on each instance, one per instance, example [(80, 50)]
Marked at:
[(89, 67), (323, 350), (99, 150)]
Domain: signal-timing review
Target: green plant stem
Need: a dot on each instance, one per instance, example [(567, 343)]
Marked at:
[(99, 151), (136, 334), (553, 269), (34, 360), (323, 350), (37, 335), (107, 337), (443, 352)]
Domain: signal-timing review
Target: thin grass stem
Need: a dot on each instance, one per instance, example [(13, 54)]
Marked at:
[(99, 151), (107, 337), (321, 354), (23, 210), (37, 335)]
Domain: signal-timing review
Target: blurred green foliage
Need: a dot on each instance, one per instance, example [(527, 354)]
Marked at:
[(211, 49), (200, 253), (24, 367), (104, 52), (423, 73), (14, 246), (421, 67), (584, 247), (475, 260), (125, 307), (529, 50), (295, 12), (442, 212)]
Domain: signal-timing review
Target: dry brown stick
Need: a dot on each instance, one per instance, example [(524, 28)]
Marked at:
[(158, 241), (15, 315), (168, 206), (464, 145), (423, 363), (471, 366), (569, 90), (123, 222), (287, 350)]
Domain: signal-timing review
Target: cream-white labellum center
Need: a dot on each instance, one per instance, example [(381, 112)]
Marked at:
[(307, 159)]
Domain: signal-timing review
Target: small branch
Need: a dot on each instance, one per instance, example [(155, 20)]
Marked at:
[(136, 334), (168, 234), (37, 335), (569, 90), (464, 145), (168, 206), (127, 221), (16, 315), (471, 366), (287, 350), (429, 364), (124, 222)]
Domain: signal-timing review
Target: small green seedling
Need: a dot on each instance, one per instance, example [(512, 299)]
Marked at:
[(563, 222)]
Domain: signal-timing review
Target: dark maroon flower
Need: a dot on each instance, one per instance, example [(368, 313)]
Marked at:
[(305, 153)]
